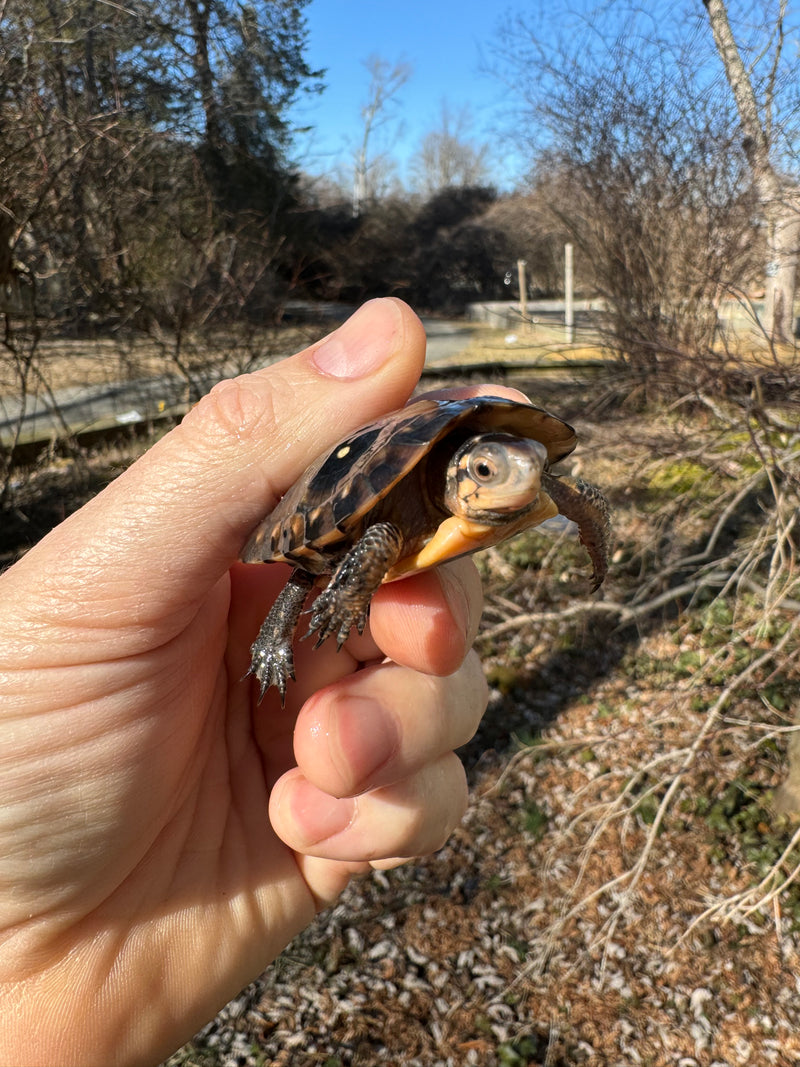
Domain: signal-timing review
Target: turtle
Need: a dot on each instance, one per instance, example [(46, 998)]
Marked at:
[(437, 479)]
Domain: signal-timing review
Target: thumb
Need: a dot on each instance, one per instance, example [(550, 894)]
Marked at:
[(182, 512)]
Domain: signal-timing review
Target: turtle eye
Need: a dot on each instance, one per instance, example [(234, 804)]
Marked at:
[(493, 477), (487, 465)]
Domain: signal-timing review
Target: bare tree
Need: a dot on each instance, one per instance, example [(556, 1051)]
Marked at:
[(639, 158), (448, 156), (110, 110), (386, 81), (143, 169), (779, 196)]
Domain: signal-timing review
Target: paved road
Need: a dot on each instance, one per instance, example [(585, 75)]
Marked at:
[(82, 407), (446, 339)]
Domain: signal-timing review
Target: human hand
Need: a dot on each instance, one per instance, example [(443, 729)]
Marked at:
[(162, 836)]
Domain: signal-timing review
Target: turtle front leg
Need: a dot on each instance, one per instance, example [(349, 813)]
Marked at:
[(344, 602), (586, 506), (272, 661)]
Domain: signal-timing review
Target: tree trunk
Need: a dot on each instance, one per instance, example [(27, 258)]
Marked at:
[(781, 204), (200, 17), (783, 242)]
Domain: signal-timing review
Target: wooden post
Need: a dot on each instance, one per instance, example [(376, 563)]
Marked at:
[(523, 290), (569, 331)]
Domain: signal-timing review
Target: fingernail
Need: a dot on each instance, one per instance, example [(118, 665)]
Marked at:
[(362, 344)]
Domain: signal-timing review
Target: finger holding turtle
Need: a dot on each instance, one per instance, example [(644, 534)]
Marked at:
[(377, 778), (384, 724)]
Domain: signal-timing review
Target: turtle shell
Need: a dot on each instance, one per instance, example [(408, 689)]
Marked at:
[(323, 514)]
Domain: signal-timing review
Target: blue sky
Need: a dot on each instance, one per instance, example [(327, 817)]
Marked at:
[(446, 42), (449, 44)]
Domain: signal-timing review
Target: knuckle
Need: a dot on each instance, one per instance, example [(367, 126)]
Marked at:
[(237, 409)]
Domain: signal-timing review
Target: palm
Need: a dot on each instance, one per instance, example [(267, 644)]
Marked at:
[(173, 832), (192, 795)]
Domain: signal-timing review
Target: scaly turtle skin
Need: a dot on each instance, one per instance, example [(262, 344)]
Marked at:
[(435, 480)]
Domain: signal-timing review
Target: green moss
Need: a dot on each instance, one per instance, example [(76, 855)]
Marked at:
[(535, 820), (647, 810), (683, 478), (606, 711), (687, 663), (520, 1052), (527, 550), (503, 677), (530, 739), (744, 827)]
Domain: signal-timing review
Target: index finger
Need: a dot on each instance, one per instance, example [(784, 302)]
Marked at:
[(464, 392), (427, 621)]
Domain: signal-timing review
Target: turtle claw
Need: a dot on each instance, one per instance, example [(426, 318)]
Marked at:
[(272, 665), (271, 656), (334, 612), (344, 602)]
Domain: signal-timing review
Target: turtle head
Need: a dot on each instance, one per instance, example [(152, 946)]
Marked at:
[(494, 477)]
